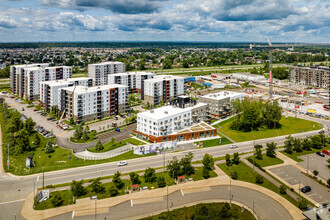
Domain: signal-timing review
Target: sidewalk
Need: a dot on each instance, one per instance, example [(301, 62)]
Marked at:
[(87, 155), (82, 207)]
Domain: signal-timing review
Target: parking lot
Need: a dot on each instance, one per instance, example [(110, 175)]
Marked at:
[(293, 176), (316, 162)]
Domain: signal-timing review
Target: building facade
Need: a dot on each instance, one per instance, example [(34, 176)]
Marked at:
[(134, 80), (220, 103), (162, 88), (169, 123), (17, 77), (318, 76), (99, 71), (49, 89), (90, 103)]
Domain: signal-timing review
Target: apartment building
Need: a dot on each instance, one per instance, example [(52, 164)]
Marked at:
[(219, 104), (169, 123), (90, 103), (318, 76), (49, 89), (35, 75), (99, 72), (134, 80), (17, 77), (162, 88)]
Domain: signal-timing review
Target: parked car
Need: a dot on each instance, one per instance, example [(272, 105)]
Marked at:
[(233, 146), (122, 163), (115, 118), (320, 154), (326, 152), (48, 119), (321, 132), (306, 189), (117, 129), (123, 116), (35, 109)]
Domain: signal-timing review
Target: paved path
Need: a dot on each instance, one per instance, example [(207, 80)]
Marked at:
[(105, 155)]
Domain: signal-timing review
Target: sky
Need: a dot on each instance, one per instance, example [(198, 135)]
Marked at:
[(165, 20)]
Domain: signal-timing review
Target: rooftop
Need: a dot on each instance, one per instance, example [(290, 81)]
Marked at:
[(132, 73), (167, 111), (106, 63), (85, 89), (223, 94), (64, 81), (196, 128), (160, 78)]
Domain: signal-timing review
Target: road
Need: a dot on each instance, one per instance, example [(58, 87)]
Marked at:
[(260, 202)]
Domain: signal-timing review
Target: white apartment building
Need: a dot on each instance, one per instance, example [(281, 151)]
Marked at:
[(220, 103), (170, 123), (91, 103), (99, 71), (35, 75), (49, 89), (162, 88), (248, 77), (17, 77), (134, 80)]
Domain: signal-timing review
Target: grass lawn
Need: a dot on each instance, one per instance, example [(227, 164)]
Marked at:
[(214, 142), (295, 155), (267, 161), (108, 146), (192, 212), (91, 138), (67, 194), (290, 125), (245, 173)]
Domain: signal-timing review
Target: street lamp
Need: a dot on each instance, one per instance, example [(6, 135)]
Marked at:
[(94, 198), (254, 153)]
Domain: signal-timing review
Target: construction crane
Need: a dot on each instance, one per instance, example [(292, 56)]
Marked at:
[(271, 46)]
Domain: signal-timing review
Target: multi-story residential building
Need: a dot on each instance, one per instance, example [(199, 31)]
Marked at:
[(220, 103), (17, 77), (134, 80), (318, 76), (99, 71), (179, 122), (162, 88), (49, 89), (91, 103), (34, 75)]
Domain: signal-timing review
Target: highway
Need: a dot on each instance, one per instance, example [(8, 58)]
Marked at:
[(14, 189)]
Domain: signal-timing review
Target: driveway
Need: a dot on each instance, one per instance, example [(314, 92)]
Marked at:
[(293, 176), (316, 162)]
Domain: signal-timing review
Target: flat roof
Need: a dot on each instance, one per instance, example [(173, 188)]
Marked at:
[(159, 78), (167, 111), (132, 73), (85, 89), (202, 126), (222, 95), (249, 74), (64, 81), (108, 62), (46, 67)]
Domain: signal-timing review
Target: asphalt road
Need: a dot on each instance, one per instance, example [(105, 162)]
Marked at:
[(264, 206)]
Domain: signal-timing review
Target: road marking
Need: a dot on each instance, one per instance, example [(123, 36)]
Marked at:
[(72, 214), (62, 133), (314, 194), (287, 178), (131, 203), (279, 173), (182, 192), (38, 178), (19, 200)]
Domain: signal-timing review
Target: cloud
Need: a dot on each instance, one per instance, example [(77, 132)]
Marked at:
[(116, 6), (8, 22)]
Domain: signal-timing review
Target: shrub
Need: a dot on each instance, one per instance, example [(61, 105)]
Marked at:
[(259, 179), (303, 203), (282, 189), (234, 175), (161, 182), (113, 191), (206, 173), (57, 199)]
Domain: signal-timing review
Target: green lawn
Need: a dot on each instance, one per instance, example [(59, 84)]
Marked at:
[(215, 142), (295, 155), (109, 146), (91, 138), (267, 161), (245, 173), (67, 194), (290, 125)]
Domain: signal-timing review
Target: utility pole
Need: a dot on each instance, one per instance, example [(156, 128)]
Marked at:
[(230, 185), (254, 153), (95, 208), (43, 178), (167, 197), (270, 70)]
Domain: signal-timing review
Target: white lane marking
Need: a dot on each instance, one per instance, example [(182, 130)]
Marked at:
[(182, 192), (314, 194), (19, 200), (279, 173), (131, 203), (287, 178), (72, 214), (38, 178)]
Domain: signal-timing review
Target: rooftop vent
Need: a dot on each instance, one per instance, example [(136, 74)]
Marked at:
[(152, 111), (166, 112)]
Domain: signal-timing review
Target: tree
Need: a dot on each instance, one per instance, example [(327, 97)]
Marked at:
[(29, 125), (235, 159), (117, 181), (99, 146), (258, 152), (174, 168), (228, 161), (77, 188), (306, 144), (78, 132), (259, 179), (315, 172), (270, 149), (225, 210), (167, 64), (282, 189), (316, 142), (234, 175), (208, 161), (22, 142), (297, 145), (149, 175), (49, 147), (37, 140), (206, 173), (288, 144), (185, 162), (134, 178), (303, 204), (161, 182), (57, 199), (185, 64), (85, 136), (97, 186), (113, 191)]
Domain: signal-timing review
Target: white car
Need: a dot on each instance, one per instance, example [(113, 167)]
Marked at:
[(233, 146), (122, 163)]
